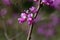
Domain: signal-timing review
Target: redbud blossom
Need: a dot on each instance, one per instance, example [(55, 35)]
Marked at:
[(35, 0), (30, 21), (26, 17), (47, 2), (56, 4), (21, 20), (30, 15), (23, 15), (33, 9), (52, 3)]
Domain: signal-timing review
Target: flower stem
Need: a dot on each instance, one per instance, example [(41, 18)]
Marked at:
[(31, 26), (30, 32)]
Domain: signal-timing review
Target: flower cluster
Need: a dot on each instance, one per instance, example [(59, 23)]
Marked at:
[(47, 2), (52, 3), (27, 15)]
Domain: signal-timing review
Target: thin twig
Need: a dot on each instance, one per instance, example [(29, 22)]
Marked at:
[(30, 32), (38, 8), (5, 31), (31, 26)]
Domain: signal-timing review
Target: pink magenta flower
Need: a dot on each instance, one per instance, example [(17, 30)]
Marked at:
[(35, 0), (30, 21), (21, 20), (26, 17), (23, 15), (47, 2), (33, 9), (30, 18), (30, 15), (52, 3), (56, 4)]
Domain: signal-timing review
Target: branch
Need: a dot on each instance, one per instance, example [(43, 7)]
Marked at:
[(31, 26), (30, 32), (4, 27)]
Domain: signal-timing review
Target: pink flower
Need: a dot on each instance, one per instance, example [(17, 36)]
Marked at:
[(30, 21), (21, 20), (48, 2), (52, 3), (33, 9), (35, 0), (26, 17), (56, 4), (23, 15), (30, 15)]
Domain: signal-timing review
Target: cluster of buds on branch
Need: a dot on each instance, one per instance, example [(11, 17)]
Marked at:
[(48, 2), (31, 12), (28, 15)]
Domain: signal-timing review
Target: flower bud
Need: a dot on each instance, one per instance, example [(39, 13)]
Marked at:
[(33, 9), (48, 2), (21, 20), (35, 0), (23, 15), (30, 15), (30, 21)]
